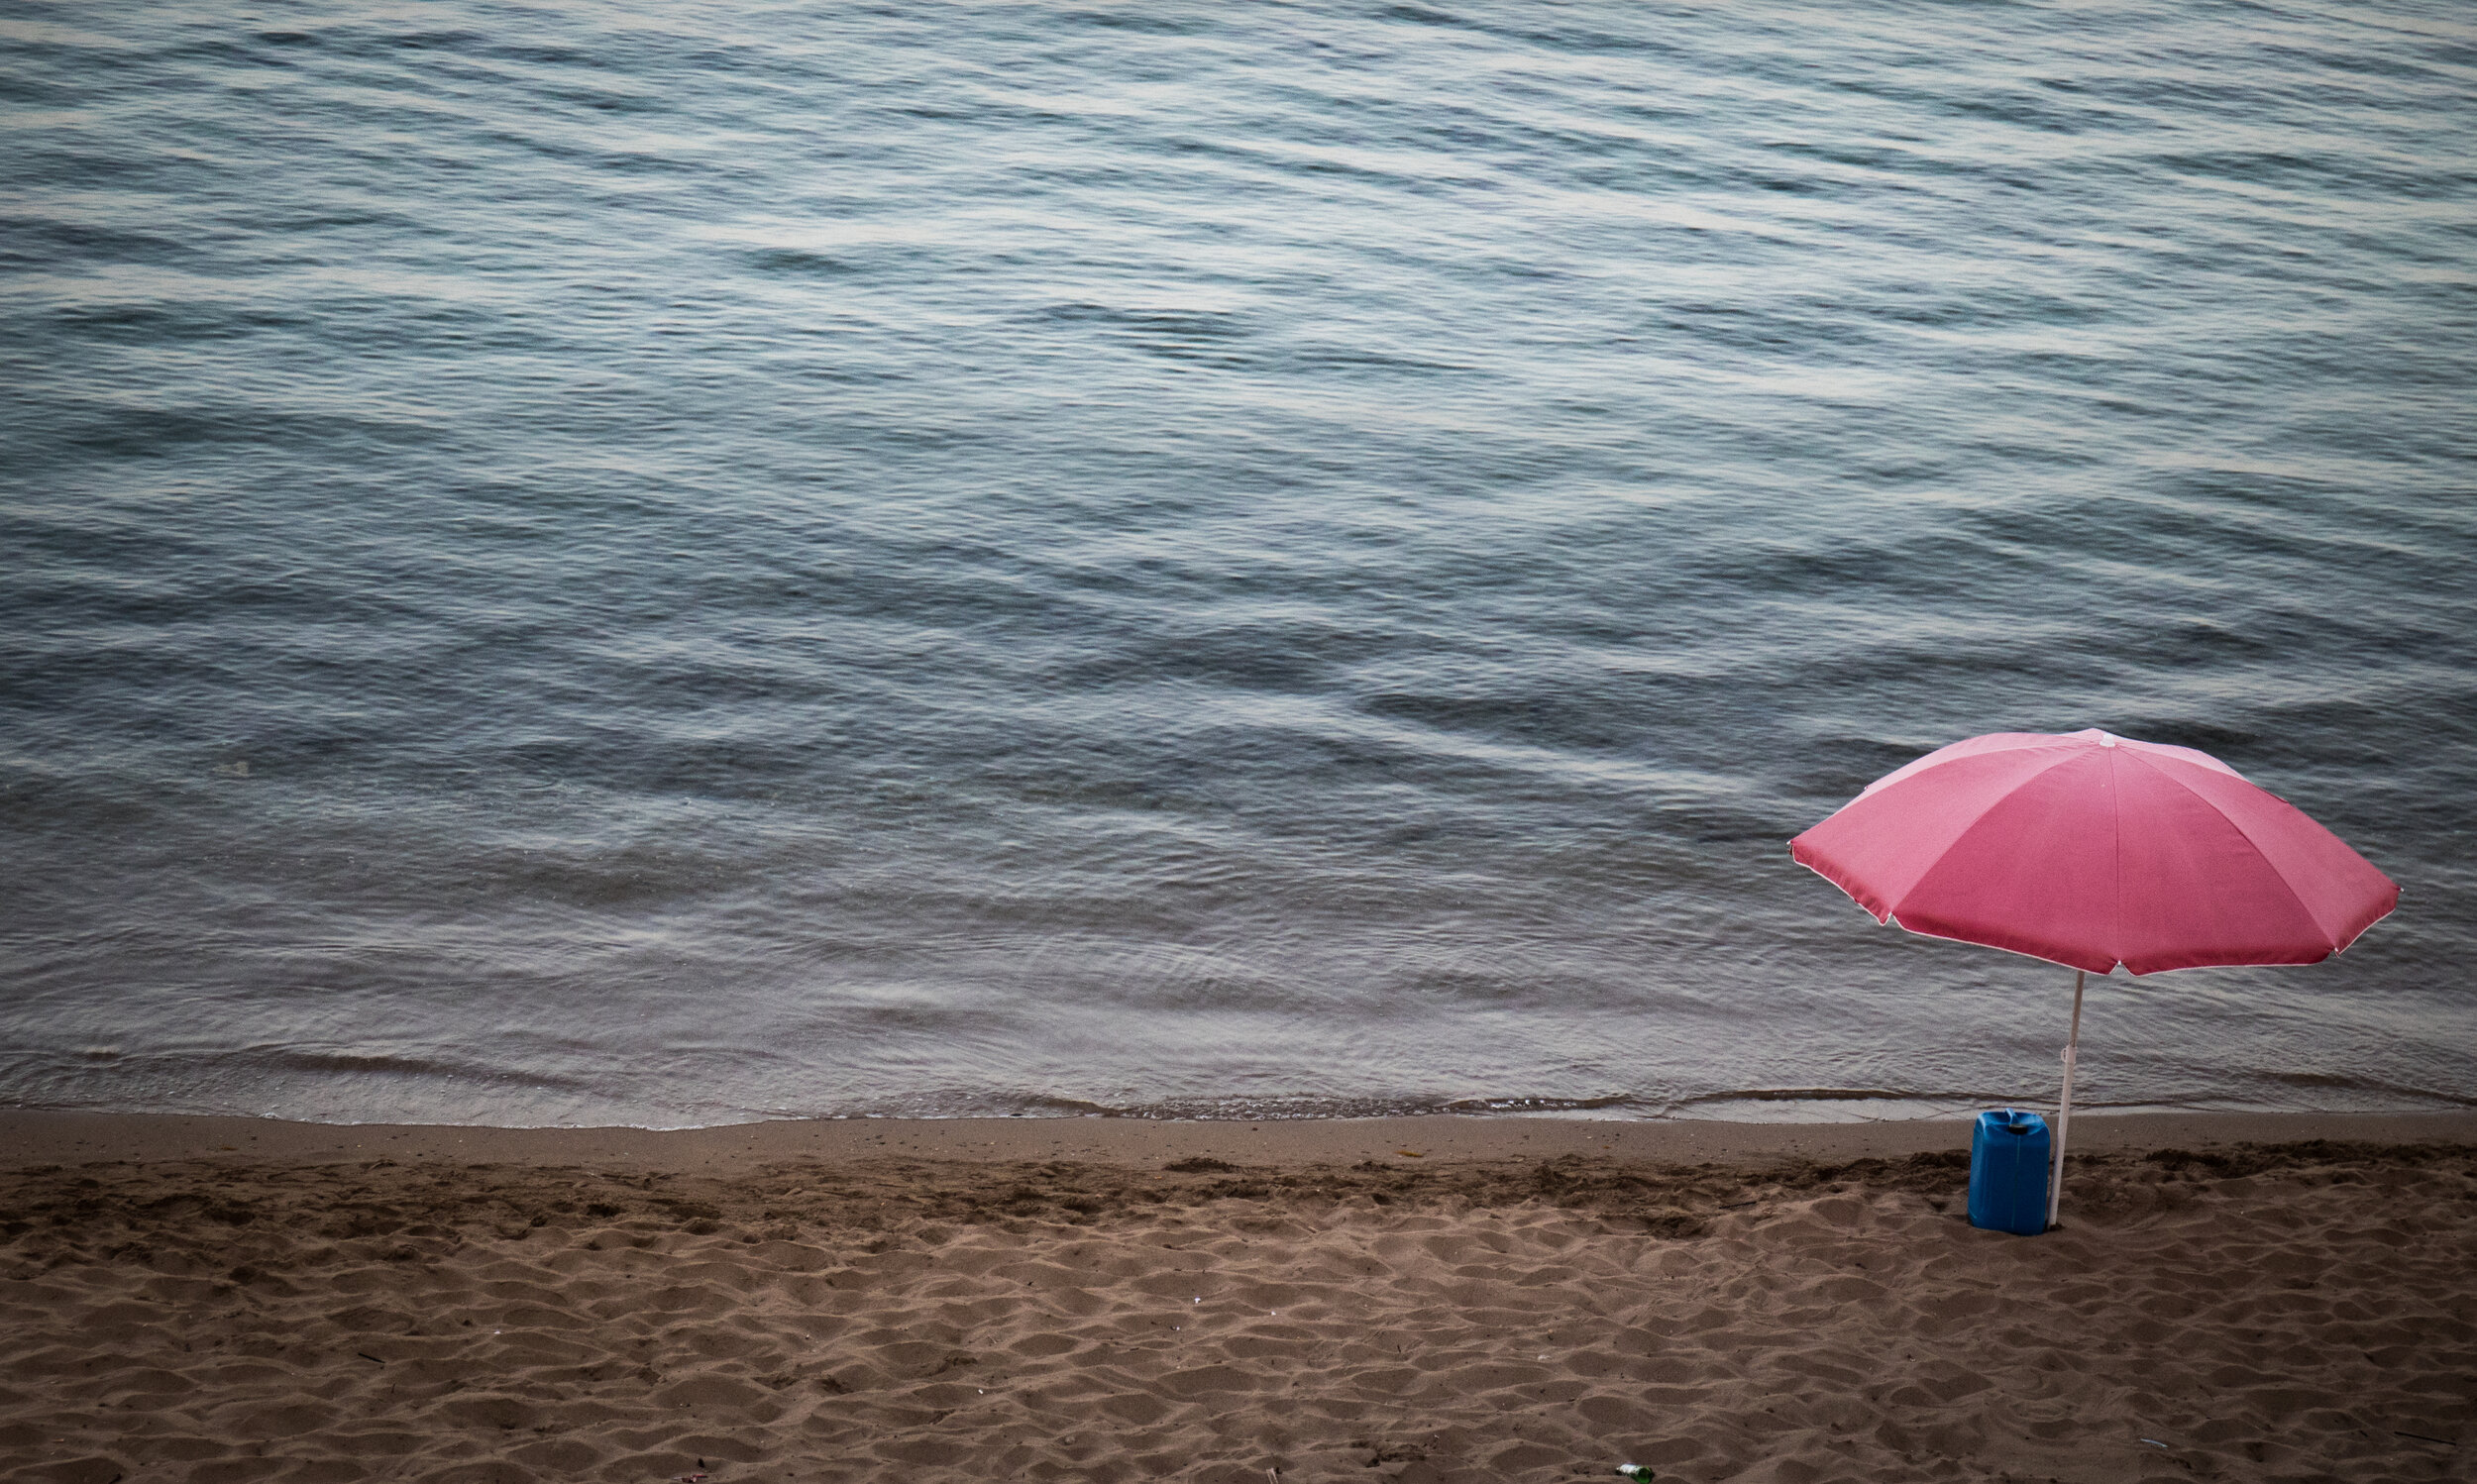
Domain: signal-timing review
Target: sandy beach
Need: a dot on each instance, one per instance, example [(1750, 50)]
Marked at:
[(1427, 1300)]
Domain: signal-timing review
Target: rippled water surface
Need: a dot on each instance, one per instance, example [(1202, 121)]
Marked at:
[(675, 563)]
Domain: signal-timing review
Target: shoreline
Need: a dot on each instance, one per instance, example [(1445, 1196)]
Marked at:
[(35, 1137)]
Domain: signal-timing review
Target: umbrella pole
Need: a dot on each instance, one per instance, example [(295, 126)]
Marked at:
[(2064, 1105)]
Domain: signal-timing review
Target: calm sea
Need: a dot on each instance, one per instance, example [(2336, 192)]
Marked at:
[(675, 562)]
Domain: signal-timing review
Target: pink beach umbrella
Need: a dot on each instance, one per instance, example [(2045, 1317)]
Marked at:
[(2095, 851)]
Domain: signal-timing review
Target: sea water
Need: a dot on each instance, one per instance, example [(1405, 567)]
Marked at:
[(675, 562)]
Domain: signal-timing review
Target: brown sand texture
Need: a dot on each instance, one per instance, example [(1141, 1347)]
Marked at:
[(2300, 1312)]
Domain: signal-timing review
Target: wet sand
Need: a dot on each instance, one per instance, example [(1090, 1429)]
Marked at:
[(2283, 1296)]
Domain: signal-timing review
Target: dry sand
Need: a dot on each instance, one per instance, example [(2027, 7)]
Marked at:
[(1446, 1299)]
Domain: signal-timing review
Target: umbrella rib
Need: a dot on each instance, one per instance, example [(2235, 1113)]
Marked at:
[(2115, 903)]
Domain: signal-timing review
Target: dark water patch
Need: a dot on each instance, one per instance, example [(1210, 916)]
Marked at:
[(610, 102), (1141, 23), (796, 260), (1357, 361), (456, 41), (300, 1059), (1835, 1095), (44, 240), (160, 324)]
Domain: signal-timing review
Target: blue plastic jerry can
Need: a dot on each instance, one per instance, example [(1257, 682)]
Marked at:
[(2008, 1172)]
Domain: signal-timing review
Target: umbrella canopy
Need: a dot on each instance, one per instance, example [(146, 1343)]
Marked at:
[(2092, 850)]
